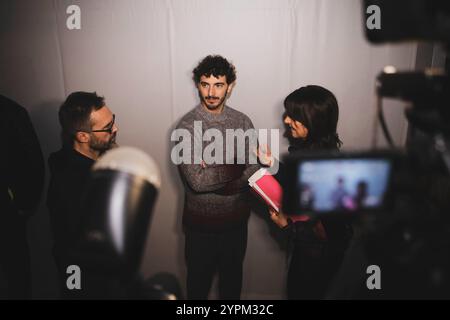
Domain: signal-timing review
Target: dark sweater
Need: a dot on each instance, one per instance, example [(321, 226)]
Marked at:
[(216, 196), (70, 171)]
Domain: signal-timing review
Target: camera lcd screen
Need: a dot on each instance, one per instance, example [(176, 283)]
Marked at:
[(336, 185)]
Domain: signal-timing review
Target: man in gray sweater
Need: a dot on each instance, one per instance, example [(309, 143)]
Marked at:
[(215, 174)]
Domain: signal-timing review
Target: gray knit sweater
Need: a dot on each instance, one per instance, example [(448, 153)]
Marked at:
[(217, 194)]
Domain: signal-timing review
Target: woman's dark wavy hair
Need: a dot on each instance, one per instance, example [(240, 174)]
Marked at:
[(214, 65), (317, 109)]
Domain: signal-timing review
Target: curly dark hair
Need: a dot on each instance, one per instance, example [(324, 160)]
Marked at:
[(74, 114), (317, 109), (215, 65)]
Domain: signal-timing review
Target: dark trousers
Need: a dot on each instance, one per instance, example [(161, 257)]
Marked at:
[(208, 253), (15, 257), (311, 270)]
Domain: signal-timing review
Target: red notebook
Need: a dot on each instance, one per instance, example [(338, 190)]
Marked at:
[(267, 187), (270, 190)]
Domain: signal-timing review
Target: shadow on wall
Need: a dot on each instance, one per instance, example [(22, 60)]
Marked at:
[(43, 269)]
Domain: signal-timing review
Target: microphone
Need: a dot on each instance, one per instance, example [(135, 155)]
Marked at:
[(117, 207)]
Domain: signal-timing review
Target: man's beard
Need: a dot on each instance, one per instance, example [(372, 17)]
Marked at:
[(210, 106), (102, 146)]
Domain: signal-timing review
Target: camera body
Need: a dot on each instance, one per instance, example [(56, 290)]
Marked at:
[(410, 20)]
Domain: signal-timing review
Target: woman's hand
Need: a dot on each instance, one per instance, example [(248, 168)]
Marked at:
[(279, 218), (265, 155)]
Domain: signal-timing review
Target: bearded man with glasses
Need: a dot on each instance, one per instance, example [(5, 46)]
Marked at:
[(88, 131)]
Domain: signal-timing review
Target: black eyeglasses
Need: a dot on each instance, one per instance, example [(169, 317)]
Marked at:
[(109, 129)]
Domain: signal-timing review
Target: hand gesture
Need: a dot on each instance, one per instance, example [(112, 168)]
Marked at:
[(279, 218), (265, 155)]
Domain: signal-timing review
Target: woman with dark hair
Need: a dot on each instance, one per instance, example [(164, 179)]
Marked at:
[(312, 114), (317, 246)]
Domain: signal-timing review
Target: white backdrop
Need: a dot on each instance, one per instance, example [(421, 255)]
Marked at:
[(139, 54)]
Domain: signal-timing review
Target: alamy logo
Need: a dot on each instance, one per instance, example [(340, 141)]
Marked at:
[(374, 20), (212, 146), (73, 282), (374, 280), (74, 20)]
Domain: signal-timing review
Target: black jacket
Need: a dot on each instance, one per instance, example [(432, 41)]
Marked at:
[(70, 171), (21, 163)]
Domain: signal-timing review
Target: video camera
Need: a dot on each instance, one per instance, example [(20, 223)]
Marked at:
[(427, 91), (426, 152), (398, 200)]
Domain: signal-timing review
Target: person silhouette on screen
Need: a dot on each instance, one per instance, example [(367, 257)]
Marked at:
[(361, 196), (340, 195), (307, 197)]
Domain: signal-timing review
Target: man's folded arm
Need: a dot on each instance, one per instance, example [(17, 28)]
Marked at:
[(209, 178), (240, 184)]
